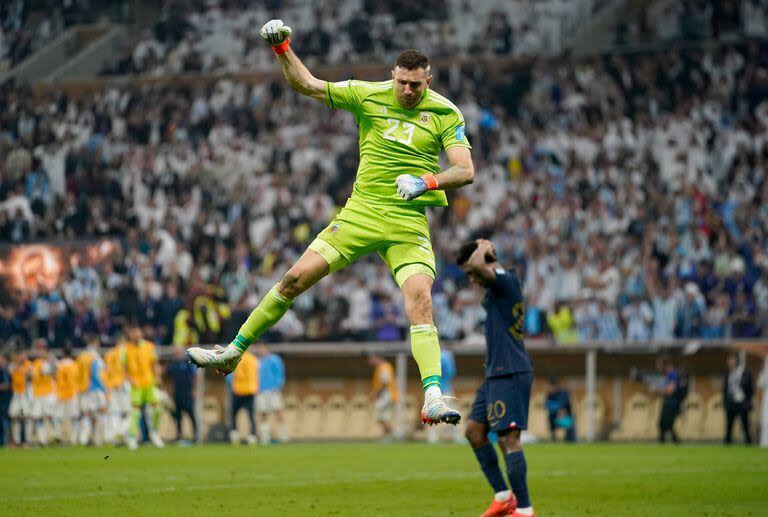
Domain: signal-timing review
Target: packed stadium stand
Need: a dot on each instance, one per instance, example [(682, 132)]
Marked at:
[(26, 26), (197, 36), (669, 20), (602, 178), (628, 188)]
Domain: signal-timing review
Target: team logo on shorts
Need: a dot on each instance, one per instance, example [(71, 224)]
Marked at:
[(335, 227), (424, 117), (460, 133)]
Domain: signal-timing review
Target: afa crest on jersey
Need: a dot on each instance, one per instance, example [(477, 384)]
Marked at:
[(424, 117)]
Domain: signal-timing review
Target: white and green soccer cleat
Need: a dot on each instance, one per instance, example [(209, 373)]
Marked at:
[(436, 411), (223, 359), (154, 437)]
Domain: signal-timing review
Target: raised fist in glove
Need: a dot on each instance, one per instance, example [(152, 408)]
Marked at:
[(410, 187), (275, 32)]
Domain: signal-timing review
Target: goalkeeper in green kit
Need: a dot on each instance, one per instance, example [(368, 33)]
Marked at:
[(403, 126)]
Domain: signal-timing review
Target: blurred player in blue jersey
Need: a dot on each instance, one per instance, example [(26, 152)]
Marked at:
[(501, 404), (93, 399), (270, 395)]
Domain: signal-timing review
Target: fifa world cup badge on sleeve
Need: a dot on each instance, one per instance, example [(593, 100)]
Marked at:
[(460, 133)]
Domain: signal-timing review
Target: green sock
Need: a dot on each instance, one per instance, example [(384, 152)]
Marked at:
[(133, 432), (157, 411), (432, 380), (272, 307), (426, 351)]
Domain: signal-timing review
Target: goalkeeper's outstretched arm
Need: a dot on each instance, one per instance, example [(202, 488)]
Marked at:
[(277, 34), (300, 78)]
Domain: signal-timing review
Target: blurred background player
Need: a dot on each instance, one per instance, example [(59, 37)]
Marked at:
[(448, 368), (245, 385), (20, 369), (183, 375), (164, 403), (384, 393), (6, 394), (67, 410), (501, 404), (118, 393), (93, 396), (403, 125), (559, 411), (671, 390), (738, 390), (43, 405), (143, 370), (269, 400)]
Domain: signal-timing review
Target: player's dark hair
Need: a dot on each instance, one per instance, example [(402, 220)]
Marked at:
[(466, 251), (412, 59)]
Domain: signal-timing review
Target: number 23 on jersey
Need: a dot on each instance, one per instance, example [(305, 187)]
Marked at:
[(399, 131)]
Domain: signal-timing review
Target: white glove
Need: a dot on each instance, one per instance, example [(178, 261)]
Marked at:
[(410, 187), (274, 32)]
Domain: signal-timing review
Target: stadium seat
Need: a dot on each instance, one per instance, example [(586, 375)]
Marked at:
[(212, 413), (291, 405), (691, 421), (581, 415), (334, 423), (652, 429), (362, 418), (312, 413), (411, 414), (636, 421), (714, 419), (538, 417)]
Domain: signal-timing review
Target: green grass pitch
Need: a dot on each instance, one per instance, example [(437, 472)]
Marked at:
[(379, 480)]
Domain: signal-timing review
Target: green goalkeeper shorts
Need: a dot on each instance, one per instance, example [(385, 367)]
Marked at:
[(141, 396), (399, 234)]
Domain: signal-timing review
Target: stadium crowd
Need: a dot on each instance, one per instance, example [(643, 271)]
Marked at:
[(691, 20), (223, 35), (26, 26), (634, 208)]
